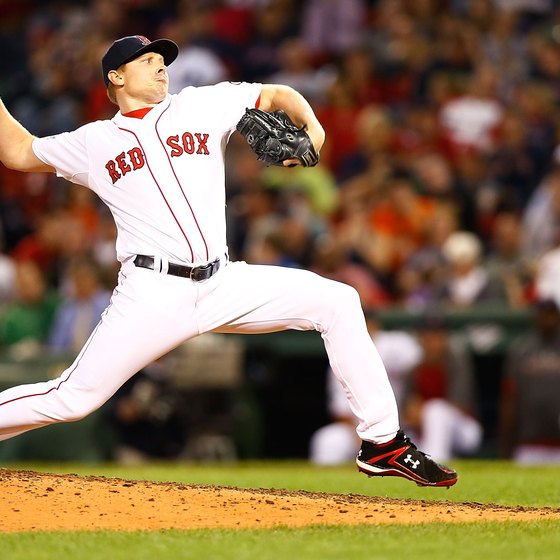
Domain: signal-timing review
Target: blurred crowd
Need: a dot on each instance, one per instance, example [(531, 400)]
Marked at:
[(439, 182)]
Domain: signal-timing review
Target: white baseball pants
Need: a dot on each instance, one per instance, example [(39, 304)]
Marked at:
[(151, 313)]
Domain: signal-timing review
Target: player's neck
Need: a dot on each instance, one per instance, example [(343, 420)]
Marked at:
[(138, 113), (130, 104), (126, 108)]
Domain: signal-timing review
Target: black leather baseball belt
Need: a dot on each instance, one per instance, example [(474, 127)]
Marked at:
[(196, 273)]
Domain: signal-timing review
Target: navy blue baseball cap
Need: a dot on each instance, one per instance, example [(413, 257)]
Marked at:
[(128, 48)]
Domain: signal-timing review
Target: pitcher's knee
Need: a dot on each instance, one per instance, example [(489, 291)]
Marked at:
[(73, 409), (77, 413), (343, 296), (339, 305)]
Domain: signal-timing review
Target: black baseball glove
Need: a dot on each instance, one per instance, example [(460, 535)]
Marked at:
[(275, 138)]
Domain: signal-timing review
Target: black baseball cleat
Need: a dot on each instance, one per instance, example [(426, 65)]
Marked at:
[(400, 457)]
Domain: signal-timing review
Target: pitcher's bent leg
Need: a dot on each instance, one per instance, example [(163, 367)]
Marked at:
[(358, 366), (268, 298)]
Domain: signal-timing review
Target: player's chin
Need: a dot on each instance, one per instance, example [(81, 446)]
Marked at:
[(291, 162), (159, 95), (162, 87)]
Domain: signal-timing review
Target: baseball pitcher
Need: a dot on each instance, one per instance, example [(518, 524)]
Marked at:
[(158, 165)]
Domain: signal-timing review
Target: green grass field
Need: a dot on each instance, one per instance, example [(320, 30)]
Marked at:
[(480, 481)]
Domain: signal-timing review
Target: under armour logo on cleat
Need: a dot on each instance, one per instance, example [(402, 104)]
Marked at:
[(409, 459)]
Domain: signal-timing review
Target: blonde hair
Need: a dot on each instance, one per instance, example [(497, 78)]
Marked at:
[(111, 94), (111, 90)]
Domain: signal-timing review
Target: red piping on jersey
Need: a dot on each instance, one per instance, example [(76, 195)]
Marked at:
[(181, 186), (159, 188), (258, 101)]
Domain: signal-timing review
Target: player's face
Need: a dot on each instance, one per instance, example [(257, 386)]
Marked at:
[(146, 78)]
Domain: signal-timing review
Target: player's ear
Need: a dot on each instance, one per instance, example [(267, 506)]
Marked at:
[(115, 77)]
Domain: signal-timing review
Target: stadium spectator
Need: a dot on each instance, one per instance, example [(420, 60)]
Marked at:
[(541, 215), (146, 413), (198, 63), (420, 278), (467, 280), (26, 321), (331, 27), (296, 69), (506, 260), (472, 120), (530, 413), (440, 402), (81, 308), (272, 23)]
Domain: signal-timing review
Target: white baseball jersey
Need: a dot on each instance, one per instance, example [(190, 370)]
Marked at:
[(162, 176)]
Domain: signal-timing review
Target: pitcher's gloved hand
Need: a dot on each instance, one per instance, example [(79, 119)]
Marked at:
[(276, 139)]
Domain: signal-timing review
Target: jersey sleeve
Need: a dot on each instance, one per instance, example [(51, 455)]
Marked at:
[(226, 102), (67, 153)]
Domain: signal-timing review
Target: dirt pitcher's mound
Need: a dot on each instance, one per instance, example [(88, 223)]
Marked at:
[(36, 501)]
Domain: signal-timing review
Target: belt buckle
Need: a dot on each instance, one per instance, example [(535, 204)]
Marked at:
[(208, 266), (196, 269)]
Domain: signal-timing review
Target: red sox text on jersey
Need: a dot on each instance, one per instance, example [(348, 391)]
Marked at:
[(187, 143)]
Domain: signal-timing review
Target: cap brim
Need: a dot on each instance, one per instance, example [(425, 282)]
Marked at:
[(167, 48)]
